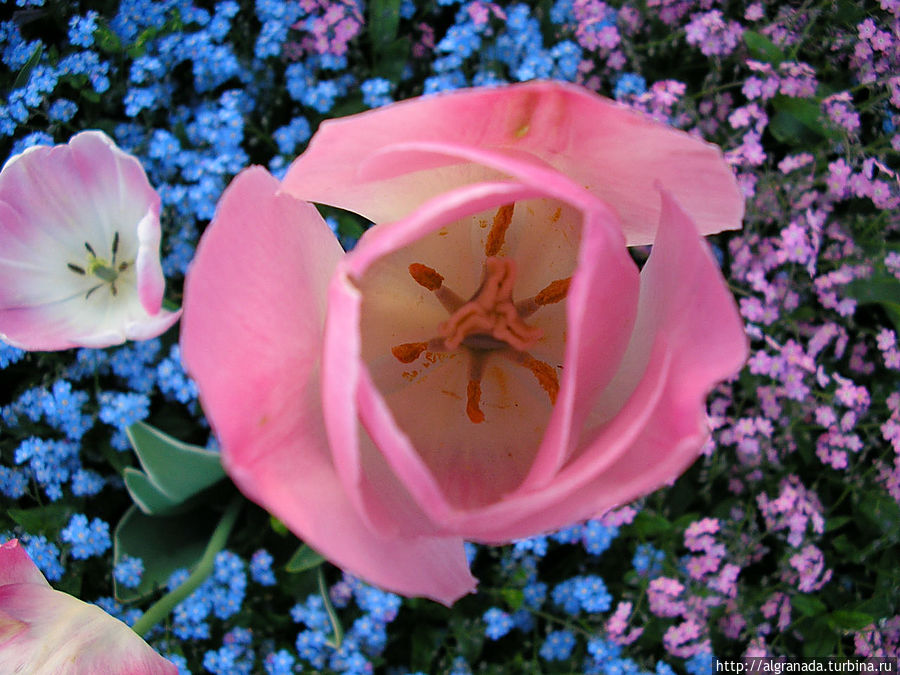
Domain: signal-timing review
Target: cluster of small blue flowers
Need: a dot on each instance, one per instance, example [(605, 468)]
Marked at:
[(120, 410), (86, 538), (234, 657), (261, 568), (128, 571), (488, 45), (364, 640), (45, 555)]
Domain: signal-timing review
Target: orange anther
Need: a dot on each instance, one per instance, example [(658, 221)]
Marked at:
[(545, 374), (426, 276), (554, 292), (409, 352), (497, 235)]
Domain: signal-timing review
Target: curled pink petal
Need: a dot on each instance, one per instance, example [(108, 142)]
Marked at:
[(258, 365), (46, 631), (617, 153), (688, 335)]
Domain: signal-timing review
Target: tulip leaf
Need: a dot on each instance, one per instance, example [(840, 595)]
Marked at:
[(149, 498), (337, 629), (163, 543), (304, 558), (178, 470)]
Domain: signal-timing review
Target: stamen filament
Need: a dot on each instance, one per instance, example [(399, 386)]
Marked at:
[(429, 278), (555, 291), (473, 389)]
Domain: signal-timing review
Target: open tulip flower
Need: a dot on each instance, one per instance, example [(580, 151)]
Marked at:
[(43, 630), (489, 362), (79, 248)]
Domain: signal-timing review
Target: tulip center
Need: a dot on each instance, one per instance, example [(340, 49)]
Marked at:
[(490, 324), (106, 271)]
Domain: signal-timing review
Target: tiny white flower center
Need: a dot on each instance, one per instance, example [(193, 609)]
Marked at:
[(107, 271)]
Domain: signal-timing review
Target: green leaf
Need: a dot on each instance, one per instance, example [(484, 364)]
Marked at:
[(514, 598), (762, 48), (848, 620), (278, 527), (879, 509), (881, 290), (846, 548), (106, 39), (337, 629), (393, 59), (384, 21), (821, 639), (163, 543), (797, 121), (304, 558), (48, 519), (837, 522), (177, 469), (25, 73), (650, 525), (808, 605), (146, 495)]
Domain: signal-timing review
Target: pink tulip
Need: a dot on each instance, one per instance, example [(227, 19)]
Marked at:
[(79, 235), (47, 631), (488, 363)]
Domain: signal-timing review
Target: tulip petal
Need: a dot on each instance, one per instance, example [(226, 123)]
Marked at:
[(46, 631), (62, 635), (16, 567), (688, 335), (600, 314), (257, 365), (617, 153)]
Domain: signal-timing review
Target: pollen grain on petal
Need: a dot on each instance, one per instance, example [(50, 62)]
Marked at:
[(426, 276), (409, 351), (497, 236)]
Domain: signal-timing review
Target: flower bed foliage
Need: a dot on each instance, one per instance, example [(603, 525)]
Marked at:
[(782, 539)]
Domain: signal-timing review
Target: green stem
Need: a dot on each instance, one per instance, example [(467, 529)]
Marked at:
[(162, 607)]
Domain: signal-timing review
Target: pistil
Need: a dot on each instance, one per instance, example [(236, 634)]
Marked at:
[(490, 322)]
